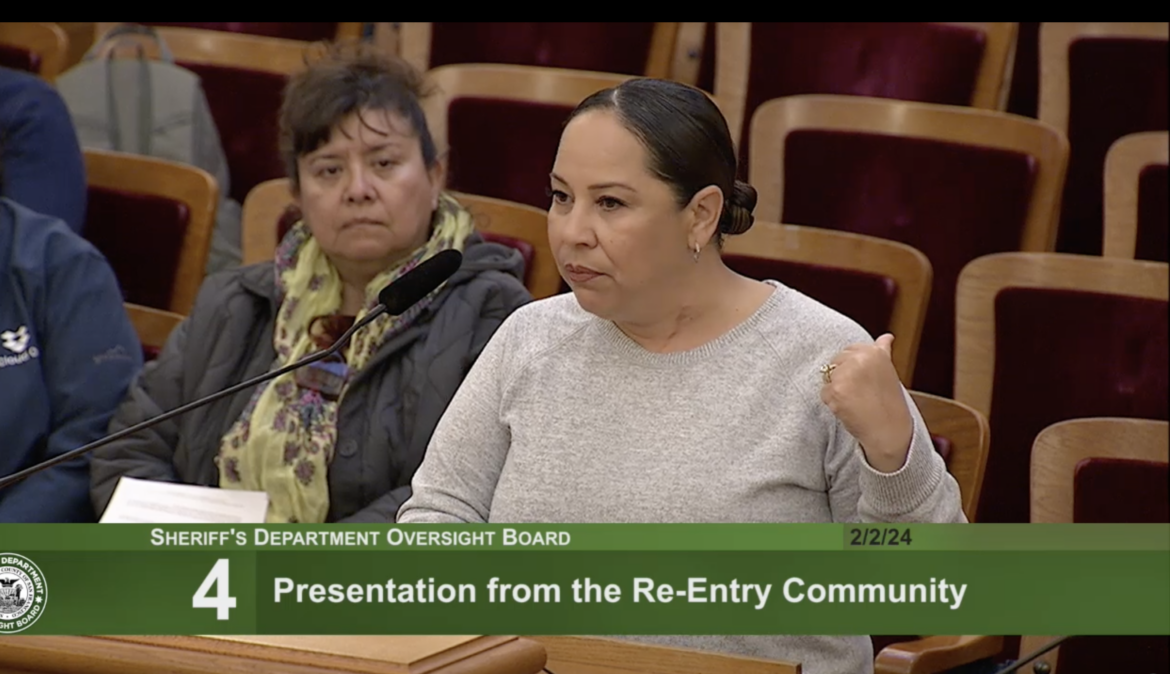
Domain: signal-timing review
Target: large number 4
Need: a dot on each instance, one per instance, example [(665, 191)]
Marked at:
[(222, 602)]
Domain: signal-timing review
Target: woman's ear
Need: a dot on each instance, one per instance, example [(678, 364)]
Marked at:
[(438, 175), (705, 208), (294, 187)]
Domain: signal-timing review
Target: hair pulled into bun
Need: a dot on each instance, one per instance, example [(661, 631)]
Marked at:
[(737, 215)]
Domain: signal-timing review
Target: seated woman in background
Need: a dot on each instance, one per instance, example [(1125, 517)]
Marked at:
[(43, 165), (67, 355), (667, 388), (366, 176)]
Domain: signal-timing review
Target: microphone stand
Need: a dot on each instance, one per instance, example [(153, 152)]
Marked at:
[(311, 358)]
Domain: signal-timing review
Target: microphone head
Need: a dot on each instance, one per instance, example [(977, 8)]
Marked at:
[(417, 283)]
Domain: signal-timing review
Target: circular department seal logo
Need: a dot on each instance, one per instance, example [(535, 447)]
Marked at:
[(23, 593)]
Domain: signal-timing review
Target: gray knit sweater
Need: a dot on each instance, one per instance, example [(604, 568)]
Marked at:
[(566, 419)]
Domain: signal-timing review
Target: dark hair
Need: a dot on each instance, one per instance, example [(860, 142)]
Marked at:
[(687, 140), (343, 80)]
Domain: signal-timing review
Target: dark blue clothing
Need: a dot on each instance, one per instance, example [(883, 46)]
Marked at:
[(67, 356), (41, 166)]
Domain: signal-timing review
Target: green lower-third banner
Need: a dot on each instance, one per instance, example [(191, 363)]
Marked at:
[(585, 579)]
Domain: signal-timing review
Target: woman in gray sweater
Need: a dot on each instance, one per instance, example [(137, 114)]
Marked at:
[(667, 388)]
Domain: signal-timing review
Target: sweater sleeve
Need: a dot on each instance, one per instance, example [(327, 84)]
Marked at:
[(457, 480), (922, 490)]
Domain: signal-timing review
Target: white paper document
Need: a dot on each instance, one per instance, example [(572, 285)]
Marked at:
[(148, 502)]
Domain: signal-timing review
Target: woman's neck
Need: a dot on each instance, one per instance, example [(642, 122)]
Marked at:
[(353, 299), (355, 278), (708, 306)]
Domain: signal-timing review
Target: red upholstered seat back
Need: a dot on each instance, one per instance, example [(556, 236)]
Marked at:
[(929, 194), (1118, 491), (599, 46), (1062, 354), (287, 219), (1121, 491), (142, 237), (866, 298), (503, 148), (525, 248), (16, 58), (926, 62), (1117, 86), (1024, 97), (1153, 220), (290, 30), (245, 105)]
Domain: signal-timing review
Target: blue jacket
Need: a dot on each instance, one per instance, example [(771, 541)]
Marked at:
[(67, 356), (41, 165)]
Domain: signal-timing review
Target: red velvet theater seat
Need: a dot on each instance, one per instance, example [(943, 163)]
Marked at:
[(15, 58), (152, 220), (916, 173), (1137, 225), (1108, 491), (1045, 337), (954, 64), (38, 48), (1153, 220), (1112, 491), (882, 285), (1102, 470), (1101, 81), (625, 48), (522, 227), (503, 123), (243, 77), (1024, 93)]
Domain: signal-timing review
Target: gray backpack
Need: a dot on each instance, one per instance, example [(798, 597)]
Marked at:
[(152, 108)]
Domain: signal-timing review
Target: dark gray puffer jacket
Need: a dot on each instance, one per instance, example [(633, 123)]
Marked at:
[(386, 417)]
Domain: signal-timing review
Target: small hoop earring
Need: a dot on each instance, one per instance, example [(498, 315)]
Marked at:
[(698, 251)]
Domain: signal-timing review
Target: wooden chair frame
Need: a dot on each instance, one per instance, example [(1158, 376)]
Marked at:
[(1055, 40), (47, 40), (153, 326), (346, 30), (935, 654), (183, 183), (414, 45), (236, 50), (302, 654), (556, 86), (811, 245), (733, 48), (777, 118), (982, 280), (1124, 163), (518, 221), (597, 655), (1055, 455), (688, 52), (259, 215), (969, 433)]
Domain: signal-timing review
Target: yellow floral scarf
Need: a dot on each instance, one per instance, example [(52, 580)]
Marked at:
[(283, 442)]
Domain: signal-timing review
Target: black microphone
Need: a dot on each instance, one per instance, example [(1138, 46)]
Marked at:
[(1041, 668), (394, 299)]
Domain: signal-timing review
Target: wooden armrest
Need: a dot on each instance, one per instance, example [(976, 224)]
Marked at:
[(930, 655)]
